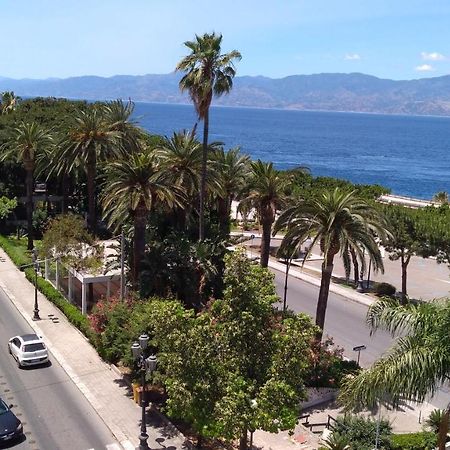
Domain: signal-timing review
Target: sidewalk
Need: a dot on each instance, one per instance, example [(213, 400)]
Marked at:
[(103, 388)]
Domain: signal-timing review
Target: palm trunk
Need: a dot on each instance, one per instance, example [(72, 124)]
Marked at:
[(243, 441), (405, 262), (265, 241), (140, 217), (355, 266), (91, 173), (327, 271), (65, 193), (201, 210), (29, 184), (443, 429), (224, 216)]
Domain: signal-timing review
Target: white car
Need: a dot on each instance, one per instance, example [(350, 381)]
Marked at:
[(28, 350)]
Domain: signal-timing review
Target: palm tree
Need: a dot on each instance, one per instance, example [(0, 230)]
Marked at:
[(30, 139), (181, 157), (232, 168), (415, 367), (441, 197), (207, 73), (337, 221), (265, 194), (8, 102), (118, 118), (90, 140), (135, 185)]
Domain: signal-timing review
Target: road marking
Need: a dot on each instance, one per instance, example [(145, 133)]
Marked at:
[(444, 281), (127, 445), (113, 447)]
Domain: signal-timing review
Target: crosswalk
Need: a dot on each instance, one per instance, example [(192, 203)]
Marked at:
[(124, 445)]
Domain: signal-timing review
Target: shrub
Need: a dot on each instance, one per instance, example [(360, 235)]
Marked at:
[(361, 432), (434, 420), (110, 322), (425, 440), (328, 367), (385, 289), (16, 250)]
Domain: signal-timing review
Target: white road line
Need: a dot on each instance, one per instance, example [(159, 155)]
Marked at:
[(127, 445), (113, 447)]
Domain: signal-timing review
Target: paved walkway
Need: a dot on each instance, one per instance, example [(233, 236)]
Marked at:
[(102, 386), (426, 278)]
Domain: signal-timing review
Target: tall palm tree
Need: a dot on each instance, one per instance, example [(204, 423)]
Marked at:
[(30, 139), (90, 140), (266, 194), (135, 185), (337, 221), (232, 169), (207, 73), (415, 367)]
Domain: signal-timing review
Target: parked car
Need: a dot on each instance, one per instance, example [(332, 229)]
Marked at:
[(10, 426), (28, 350)]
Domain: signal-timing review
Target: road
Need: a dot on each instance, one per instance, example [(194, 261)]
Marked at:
[(345, 322), (55, 414), (345, 319)]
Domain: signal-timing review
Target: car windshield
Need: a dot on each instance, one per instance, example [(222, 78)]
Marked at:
[(3, 408), (33, 347)]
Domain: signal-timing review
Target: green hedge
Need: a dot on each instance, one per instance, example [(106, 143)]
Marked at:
[(425, 440), (16, 250), (20, 257)]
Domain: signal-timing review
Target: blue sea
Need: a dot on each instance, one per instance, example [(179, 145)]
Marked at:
[(408, 154)]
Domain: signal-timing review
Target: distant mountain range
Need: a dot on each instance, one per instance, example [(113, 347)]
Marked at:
[(327, 91)]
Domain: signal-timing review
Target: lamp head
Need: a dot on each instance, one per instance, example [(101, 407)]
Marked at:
[(136, 350), (150, 363), (143, 341)]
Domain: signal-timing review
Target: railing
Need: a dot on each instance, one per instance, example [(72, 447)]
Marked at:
[(330, 424)]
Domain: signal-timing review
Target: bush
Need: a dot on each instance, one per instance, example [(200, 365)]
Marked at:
[(328, 367), (361, 432), (425, 440), (385, 289), (16, 250)]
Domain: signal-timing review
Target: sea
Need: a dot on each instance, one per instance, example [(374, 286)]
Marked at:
[(408, 154)]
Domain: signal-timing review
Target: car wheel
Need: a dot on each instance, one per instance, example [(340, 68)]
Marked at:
[(19, 365), (9, 350)]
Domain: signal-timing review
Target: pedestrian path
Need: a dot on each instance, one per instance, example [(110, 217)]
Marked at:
[(105, 390)]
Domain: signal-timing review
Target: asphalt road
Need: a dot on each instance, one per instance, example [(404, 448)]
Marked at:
[(55, 414), (344, 321)]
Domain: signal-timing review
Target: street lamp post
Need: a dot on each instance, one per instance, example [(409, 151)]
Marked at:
[(36, 268), (146, 365)]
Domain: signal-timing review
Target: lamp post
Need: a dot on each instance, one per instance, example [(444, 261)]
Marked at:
[(146, 365), (36, 268)]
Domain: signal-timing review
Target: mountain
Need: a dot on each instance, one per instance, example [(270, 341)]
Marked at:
[(327, 91)]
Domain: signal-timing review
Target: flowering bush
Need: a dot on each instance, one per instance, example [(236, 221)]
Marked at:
[(328, 365)]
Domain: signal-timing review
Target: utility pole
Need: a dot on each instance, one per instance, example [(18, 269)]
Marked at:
[(122, 265)]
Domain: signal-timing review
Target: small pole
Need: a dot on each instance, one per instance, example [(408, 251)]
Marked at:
[(122, 265), (36, 306), (368, 274)]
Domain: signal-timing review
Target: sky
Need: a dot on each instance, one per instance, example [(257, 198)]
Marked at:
[(397, 39)]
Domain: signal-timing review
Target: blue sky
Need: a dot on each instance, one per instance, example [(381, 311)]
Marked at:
[(399, 39)]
